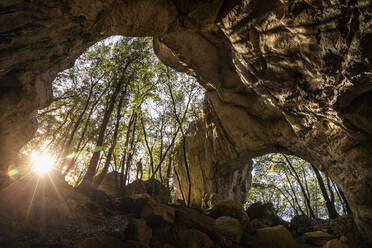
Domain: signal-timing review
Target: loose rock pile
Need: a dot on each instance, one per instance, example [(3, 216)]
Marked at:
[(139, 221)]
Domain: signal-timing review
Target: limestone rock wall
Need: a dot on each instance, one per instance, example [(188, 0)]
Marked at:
[(282, 75), (214, 164)]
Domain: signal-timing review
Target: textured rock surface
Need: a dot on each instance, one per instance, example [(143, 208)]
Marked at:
[(230, 227), (318, 238), (67, 219), (335, 243), (138, 230), (215, 166), (232, 209), (193, 238), (145, 207), (152, 187), (291, 76), (97, 242), (264, 213), (277, 236)]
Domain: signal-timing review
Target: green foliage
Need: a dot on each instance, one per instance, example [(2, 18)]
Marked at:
[(275, 182), (82, 94)]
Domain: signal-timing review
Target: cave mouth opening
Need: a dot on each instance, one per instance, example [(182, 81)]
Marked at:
[(294, 187), (120, 101)]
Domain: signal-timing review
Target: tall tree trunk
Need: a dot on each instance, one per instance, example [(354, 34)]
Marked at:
[(102, 175), (149, 150), (88, 178), (130, 153), (295, 210), (54, 136), (343, 200), (169, 170), (66, 149), (73, 161), (62, 141), (332, 213), (166, 152), (294, 194), (307, 199), (183, 136), (124, 157), (285, 196), (161, 148)]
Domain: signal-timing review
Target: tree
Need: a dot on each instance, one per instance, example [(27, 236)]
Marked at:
[(102, 175), (291, 185), (330, 203), (114, 107)]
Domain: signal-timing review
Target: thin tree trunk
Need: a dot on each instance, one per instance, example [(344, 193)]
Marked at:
[(123, 159), (344, 200), (183, 138), (54, 136), (307, 200), (169, 170), (285, 196), (102, 175), (73, 161), (130, 153), (316, 202), (332, 213), (306, 184), (294, 201), (62, 142), (161, 148), (179, 184), (88, 178), (331, 193), (294, 193), (166, 152), (78, 121), (149, 150)]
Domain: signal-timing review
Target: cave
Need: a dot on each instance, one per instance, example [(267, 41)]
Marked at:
[(281, 76)]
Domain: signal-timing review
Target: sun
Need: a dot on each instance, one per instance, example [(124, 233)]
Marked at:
[(41, 163)]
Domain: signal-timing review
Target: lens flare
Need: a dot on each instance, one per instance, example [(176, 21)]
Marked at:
[(41, 163), (12, 173)]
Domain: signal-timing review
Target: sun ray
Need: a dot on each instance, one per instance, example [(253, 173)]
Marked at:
[(32, 198), (59, 195)]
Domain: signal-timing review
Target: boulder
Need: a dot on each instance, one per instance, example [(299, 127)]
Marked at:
[(188, 218), (96, 195), (116, 226), (260, 210), (191, 218), (317, 238), (110, 184), (335, 243), (301, 224), (138, 230), (266, 213), (230, 208), (152, 187), (100, 242), (192, 238), (270, 237), (134, 244), (257, 223), (230, 228), (145, 207)]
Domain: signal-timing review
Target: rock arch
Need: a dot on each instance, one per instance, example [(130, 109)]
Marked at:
[(293, 75)]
